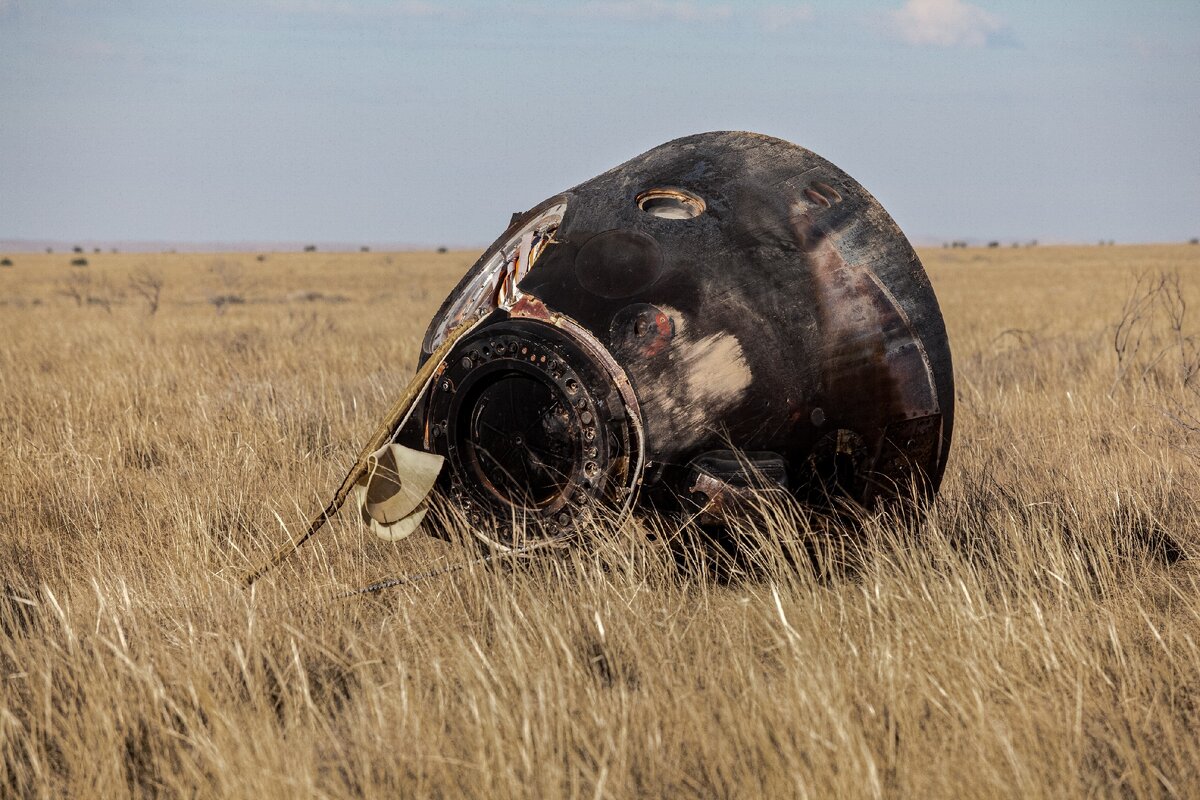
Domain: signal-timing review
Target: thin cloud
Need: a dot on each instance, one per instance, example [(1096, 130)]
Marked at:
[(778, 17), (946, 23), (648, 10), (773, 17), (357, 8)]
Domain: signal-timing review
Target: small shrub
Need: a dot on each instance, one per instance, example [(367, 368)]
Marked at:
[(79, 262), (319, 297), (95, 249), (1193, 240), (441, 250), (310, 248), (993, 244), (364, 249), (221, 301), (260, 258), (232, 287), (6, 262), (49, 250), (76, 249)]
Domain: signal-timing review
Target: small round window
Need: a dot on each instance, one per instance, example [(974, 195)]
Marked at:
[(670, 203)]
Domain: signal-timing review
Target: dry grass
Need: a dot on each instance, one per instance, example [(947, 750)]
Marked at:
[(1037, 637)]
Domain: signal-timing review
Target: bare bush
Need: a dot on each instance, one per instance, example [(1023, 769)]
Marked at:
[(1156, 349), (1151, 335), (148, 286), (75, 288), (83, 290)]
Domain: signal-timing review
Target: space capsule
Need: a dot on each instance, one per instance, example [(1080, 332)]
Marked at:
[(725, 314)]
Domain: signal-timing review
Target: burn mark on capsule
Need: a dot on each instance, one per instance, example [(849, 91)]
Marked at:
[(683, 389), (873, 370)]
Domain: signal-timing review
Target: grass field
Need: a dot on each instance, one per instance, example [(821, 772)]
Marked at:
[(1039, 636)]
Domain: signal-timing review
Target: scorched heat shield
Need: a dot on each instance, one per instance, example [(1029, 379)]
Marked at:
[(723, 314)]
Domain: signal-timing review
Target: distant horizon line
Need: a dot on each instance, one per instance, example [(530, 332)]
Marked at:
[(30, 245), (22, 245)]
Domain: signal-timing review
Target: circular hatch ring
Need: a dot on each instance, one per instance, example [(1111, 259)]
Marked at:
[(535, 433)]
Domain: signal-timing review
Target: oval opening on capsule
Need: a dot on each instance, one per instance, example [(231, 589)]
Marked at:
[(670, 203)]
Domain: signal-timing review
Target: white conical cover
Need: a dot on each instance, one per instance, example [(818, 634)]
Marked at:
[(391, 495)]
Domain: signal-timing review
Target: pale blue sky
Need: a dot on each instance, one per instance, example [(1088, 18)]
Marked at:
[(428, 123)]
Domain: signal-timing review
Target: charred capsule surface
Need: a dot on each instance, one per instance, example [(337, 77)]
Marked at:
[(723, 309)]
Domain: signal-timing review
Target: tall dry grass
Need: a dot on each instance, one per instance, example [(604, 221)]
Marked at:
[(1036, 636)]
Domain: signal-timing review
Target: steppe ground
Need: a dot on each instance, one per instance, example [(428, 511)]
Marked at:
[(1037, 637)]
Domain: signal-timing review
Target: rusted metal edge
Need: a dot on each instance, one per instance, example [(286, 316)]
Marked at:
[(530, 307)]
